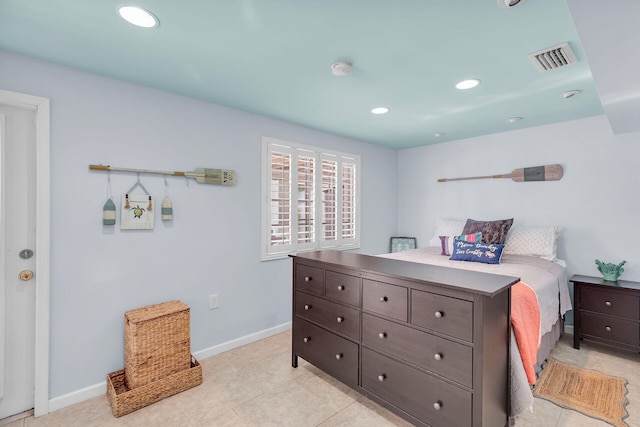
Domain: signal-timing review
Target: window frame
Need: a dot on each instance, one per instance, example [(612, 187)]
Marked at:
[(320, 155)]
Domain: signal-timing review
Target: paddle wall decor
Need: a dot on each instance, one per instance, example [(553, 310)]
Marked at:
[(536, 173)]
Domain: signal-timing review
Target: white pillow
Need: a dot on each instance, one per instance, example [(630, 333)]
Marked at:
[(540, 242), (447, 227)]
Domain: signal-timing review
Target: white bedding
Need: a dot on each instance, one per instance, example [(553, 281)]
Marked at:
[(548, 279)]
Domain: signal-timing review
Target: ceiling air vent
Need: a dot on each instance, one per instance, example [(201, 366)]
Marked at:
[(553, 57)]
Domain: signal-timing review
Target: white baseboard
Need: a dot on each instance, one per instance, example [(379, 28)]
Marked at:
[(100, 389), (568, 329), (77, 396), (239, 342)]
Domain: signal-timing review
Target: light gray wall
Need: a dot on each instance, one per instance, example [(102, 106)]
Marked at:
[(597, 202), (211, 246)]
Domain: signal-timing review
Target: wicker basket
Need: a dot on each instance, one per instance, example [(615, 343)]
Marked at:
[(156, 342), (124, 400)]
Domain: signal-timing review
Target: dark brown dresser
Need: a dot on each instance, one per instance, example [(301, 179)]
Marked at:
[(429, 343), (607, 312)]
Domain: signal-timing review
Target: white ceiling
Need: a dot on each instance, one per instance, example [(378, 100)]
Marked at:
[(273, 58)]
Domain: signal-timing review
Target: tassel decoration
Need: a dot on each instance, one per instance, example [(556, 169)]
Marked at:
[(167, 209), (126, 204), (150, 207), (109, 213)]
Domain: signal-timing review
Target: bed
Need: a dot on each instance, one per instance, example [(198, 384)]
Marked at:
[(539, 271)]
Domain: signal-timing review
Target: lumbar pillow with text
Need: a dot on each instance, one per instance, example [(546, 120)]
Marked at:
[(447, 241), (488, 253)]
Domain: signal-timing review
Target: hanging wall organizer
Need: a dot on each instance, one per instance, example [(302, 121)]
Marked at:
[(201, 175), (137, 210)]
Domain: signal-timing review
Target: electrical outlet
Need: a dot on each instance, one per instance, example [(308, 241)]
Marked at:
[(213, 301)]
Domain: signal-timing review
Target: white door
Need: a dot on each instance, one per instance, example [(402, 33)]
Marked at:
[(18, 258)]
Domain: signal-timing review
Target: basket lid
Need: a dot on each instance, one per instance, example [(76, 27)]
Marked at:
[(150, 312)]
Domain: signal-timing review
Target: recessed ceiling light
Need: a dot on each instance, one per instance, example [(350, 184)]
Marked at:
[(568, 94), (514, 119), (380, 110), (468, 84), (138, 16), (438, 134)]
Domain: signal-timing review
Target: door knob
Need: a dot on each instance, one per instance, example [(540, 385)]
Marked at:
[(26, 275)]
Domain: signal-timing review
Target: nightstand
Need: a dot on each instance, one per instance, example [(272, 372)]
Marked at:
[(606, 312)]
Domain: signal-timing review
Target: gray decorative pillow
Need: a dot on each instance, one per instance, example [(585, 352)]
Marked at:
[(492, 231)]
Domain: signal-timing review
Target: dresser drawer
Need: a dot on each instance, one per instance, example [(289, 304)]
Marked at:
[(443, 314), (383, 298), (610, 328), (342, 287), (611, 303), (342, 319), (310, 279), (335, 355), (435, 402), (441, 356)]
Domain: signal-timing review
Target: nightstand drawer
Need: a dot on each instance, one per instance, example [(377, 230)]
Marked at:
[(385, 299), (342, 287), (611, 303), (310, 279), (443, 314), (610, 328), (431, 400), (339, 318), (438, 355)]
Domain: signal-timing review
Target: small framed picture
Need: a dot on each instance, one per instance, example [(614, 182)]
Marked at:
[(399, 244)]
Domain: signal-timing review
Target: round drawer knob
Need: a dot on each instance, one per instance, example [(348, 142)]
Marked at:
[(607, 328), (339, 356), (382, 377), (437, 405), (307, 307), (306, 339), (438, 356), (307, 278), (607, 303), (382, 335), (340, 319), (384, 299), (438, 314), (340, 288)]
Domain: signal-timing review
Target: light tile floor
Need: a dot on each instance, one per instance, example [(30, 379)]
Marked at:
[(254, 385)]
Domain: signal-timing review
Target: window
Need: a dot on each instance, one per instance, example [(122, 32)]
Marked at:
[(310, 199)]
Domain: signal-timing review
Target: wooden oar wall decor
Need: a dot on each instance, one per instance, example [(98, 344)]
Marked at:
[(536, 173), (201, 175)]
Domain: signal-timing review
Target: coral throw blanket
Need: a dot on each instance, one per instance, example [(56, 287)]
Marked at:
[(525, 318)]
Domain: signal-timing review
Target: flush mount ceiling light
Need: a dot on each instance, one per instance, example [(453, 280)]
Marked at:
[(570, 93), (467, 84), (340, 68), (138, 16), (514, 119), (509, 3), (380, 110)]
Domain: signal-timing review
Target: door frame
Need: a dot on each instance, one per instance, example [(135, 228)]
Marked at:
[(43, 239)]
